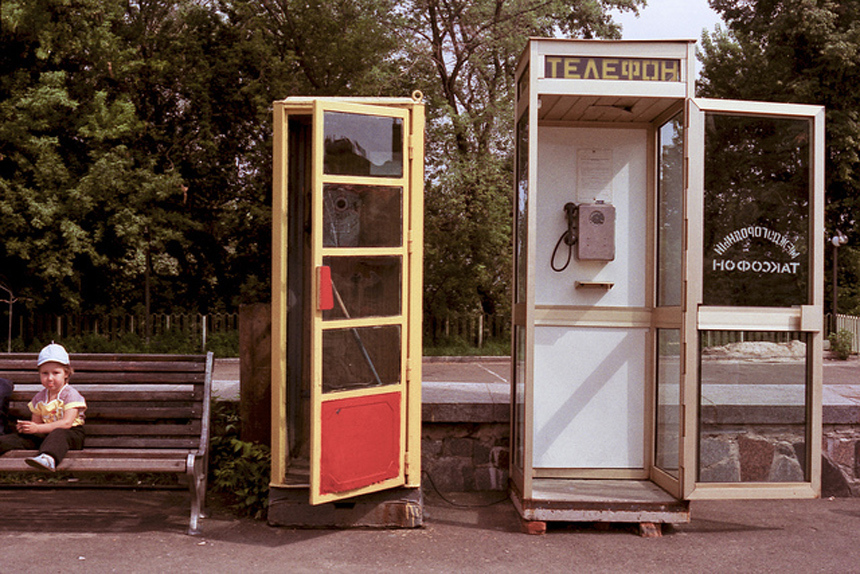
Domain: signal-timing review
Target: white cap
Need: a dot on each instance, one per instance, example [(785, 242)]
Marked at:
[(53, 353)]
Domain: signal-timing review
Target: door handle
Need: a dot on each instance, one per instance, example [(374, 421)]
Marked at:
[(325, 295)]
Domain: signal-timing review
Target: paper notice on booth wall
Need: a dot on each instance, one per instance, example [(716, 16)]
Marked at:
[(593, 175)]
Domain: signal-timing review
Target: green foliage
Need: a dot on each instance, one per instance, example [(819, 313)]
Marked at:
[(848, 280), (457, 347), (173, 341), (840, 343), (81, 191), (135, 137), (239, 470), (468, 235), (223, 344), (360, 62), (470, 96)]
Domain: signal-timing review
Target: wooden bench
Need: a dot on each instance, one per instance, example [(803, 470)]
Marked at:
[(145, 413)]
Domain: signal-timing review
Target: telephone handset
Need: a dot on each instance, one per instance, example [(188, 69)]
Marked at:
[(569, 237)]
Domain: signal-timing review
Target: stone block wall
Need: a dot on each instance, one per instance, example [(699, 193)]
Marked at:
[(464, 457), (840, 453), (778, 455), (764, 455), (474, 456)]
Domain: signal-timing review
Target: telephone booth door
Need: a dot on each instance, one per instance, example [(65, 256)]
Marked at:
[(347, 304), (752, 332)]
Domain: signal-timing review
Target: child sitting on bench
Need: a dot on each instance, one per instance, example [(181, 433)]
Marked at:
[(57, 421)]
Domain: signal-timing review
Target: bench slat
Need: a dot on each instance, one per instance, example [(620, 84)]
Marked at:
[(127, 460), (19, 401), (127, 412), (22, 399), (108, 452), (83, 366), (27, 360), (96, 442), (112, 378), (130, 413), (143, 430), (111, 427)]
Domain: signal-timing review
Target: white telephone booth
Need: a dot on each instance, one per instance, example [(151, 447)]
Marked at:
[(668, 288)]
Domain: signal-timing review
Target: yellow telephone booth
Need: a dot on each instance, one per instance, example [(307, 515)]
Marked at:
[(346, 311), (668, 288)]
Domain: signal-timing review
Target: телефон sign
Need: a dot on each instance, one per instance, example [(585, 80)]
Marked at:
[(631, 69)]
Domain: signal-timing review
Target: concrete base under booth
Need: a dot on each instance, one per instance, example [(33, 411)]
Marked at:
[(574, 500), (395, 508)]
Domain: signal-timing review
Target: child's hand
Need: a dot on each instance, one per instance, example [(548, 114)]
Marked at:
[(26, 427)]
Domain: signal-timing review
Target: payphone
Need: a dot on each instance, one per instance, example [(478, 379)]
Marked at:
[(656, 234), (591, 228)]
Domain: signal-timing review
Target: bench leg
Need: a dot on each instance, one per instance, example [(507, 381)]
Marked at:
[(197, 488)]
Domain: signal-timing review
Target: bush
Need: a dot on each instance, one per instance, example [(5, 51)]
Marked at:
[(239, 470), (457, 347), (224, 344), (840, 343)]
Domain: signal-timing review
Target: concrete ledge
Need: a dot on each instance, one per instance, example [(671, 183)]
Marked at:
[(841, 414), (465, 402), (490, 403), (465, 413)]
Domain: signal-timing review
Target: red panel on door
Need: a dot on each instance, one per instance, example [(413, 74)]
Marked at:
[(360, 442), (325, 297)]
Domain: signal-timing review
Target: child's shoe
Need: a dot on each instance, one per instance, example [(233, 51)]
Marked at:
[(42, 462)]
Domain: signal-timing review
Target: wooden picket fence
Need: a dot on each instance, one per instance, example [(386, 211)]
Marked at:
[(113, 326), (850, 324), (720, 338), (472, 328)]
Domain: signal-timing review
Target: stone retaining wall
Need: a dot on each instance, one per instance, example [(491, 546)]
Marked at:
[(462, 456), (840, 465)]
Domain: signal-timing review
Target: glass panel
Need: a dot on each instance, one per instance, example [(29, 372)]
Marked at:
[(362, 216), (670, 229), (357, 144), (519, 395), (361, 357), (753, 407), (364, 287), (520, 268), (667, 449), (757, 187)]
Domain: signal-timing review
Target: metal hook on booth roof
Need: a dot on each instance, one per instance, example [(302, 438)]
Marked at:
[(417, 96)]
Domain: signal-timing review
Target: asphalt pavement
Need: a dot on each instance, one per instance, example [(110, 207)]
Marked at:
[(102, 531)]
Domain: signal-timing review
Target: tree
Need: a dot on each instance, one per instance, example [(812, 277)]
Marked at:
[(804, 52), (463, 55), (135, 136), (68, 168)]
